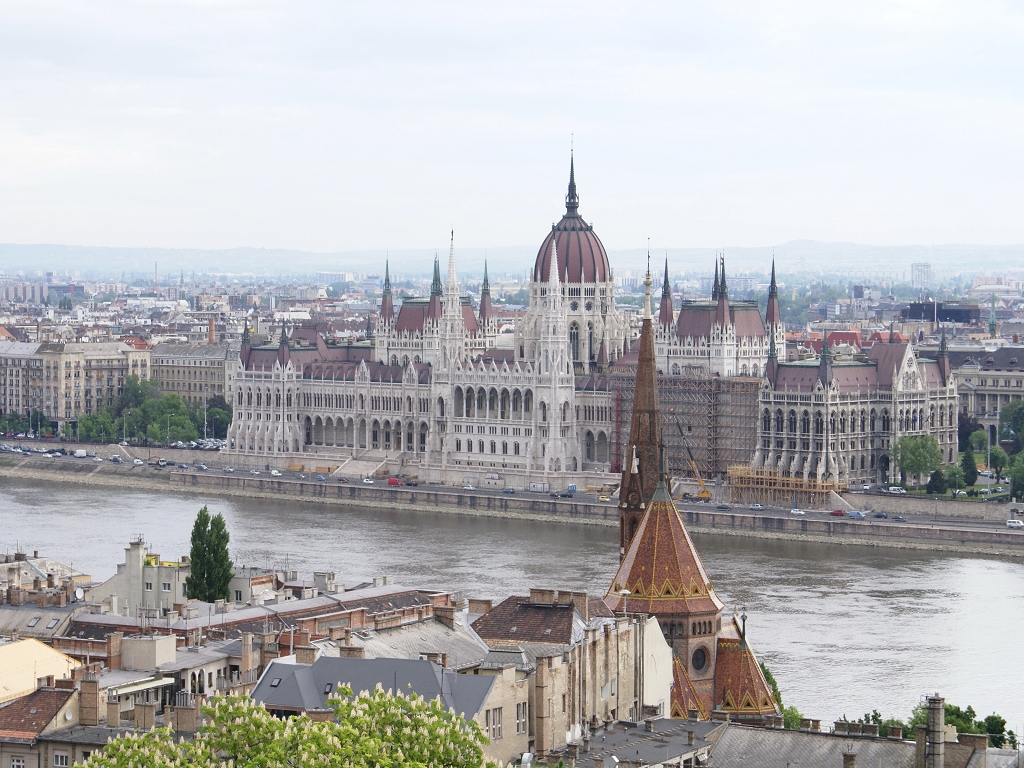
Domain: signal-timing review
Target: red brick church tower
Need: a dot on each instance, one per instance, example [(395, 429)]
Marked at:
[(661, 574)]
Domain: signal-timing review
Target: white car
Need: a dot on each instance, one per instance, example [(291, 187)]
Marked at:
[(138, 462), (97, 458), (229, 469), (368, 480), (1019, 524), (799, 512), (468, 488), (254, 472), (274, 473), (756, 507)]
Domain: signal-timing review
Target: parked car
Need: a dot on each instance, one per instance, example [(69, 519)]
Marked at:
[(880, 515), (368, 480), (273, 472), (897, 490), (756, 507), (138, 462), (1016, 524), (899, 519), (799, 512), (855, 515), (838, 512), (508, 490)]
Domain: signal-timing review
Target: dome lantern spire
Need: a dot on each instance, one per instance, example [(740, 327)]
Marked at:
[(572, 200)]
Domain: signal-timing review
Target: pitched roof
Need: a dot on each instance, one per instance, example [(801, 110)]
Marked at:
[(662, 570), (888, 357), (302, 687), (25, 718), (739, 685), (23, 661), (517, 620)]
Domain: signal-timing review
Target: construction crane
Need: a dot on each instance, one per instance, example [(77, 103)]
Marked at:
[(705, 494)]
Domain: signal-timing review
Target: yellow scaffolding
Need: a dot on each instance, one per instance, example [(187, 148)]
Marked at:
[(748, 485)]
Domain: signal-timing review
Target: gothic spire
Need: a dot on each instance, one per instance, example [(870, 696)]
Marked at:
[(772, 316), (665, 310), (825, 362), (723, 290), (387, 276), (486, 285), (485, 298), (435, 286), (572, 201), (452, 284), (387, 307), (722, 313), (714, 288)]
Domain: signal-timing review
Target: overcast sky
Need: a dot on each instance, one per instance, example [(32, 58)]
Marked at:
[(336, 126)]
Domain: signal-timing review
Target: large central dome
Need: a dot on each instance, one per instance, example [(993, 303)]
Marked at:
[(579, 249)]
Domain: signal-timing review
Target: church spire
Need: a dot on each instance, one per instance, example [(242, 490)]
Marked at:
[(825, 362), (772, 316), (992, 318), (435, 286), (771, 368), (452, 283), (572, 201), (665, 310), (485, 298), (387, 307), (714, 288), (640, 463), (434, 307), (722, 314)]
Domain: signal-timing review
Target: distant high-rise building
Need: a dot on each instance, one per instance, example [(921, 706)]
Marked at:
[(921, 275)]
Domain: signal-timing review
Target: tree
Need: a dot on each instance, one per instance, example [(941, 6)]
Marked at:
[(979, 440), (371, 729), (791, 717), (770, 679), (954, 478), (210, 567), (917, 455), (998, 461), (1017, 477), (965, 426), (937, 482), (970, 469), (1011, 424)]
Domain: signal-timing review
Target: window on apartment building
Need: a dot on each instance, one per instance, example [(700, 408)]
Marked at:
[(238, 595), (17, 762), (563, 702), (166, 586), (60, 760), (492, 723), (520, 718), (149, 586)]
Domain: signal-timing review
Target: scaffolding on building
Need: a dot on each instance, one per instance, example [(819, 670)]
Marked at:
[(749, 485), (718, 416)]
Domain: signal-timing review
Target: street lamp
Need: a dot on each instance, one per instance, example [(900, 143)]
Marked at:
[(169, 427)]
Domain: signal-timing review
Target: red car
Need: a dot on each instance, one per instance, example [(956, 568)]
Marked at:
[(838, 512)]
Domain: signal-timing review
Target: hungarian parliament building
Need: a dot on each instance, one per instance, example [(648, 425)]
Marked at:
[(435, 397)]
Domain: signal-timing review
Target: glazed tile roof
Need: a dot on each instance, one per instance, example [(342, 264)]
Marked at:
[(661, 569), (740, 688), (684, 697), (23, 719)]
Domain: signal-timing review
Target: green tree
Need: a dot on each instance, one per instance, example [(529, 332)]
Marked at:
[(966, 425), (970, 469), (937, 482), (1011, 424), (770, 679), (791, 718), (916, 455), (954, 478), (198, 557), (219, 568), (998, 459), (371, 729), (1017, 477), (979, 440)]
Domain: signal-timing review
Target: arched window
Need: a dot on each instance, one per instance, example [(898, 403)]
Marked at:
[(493, 447), (778, 420), (574, 341), (515, 448), (458, 445), (791, 422), (819, 423), (805, 423), (766, 421), (873, 420)]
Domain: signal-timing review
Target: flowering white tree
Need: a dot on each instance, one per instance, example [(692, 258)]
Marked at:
[(371, 730)]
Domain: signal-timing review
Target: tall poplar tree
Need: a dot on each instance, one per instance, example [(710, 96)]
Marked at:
[(210, 566)]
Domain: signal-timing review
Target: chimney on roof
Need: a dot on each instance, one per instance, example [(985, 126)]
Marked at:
[(849, 760), (212, 337), (542, 596), (89, 699)]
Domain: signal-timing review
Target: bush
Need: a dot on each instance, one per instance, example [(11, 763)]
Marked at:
[(937, 482)]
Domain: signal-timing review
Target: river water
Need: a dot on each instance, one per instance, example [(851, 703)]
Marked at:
[(844, 629)]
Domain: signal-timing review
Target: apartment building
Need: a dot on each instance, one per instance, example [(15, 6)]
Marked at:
[(196, 372), (66, 380)]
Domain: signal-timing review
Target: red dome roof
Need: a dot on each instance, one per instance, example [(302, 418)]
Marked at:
[(578, 247)]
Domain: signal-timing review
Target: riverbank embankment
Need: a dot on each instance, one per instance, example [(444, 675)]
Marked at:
[(941, 534)]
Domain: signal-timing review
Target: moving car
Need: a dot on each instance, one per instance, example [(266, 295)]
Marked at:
[(411, 483), (838, 512), (229, 469), (508, 490), (855, 515), (368, 480), (138, 462), (116, 459), (604, 498), (899, 519), (468, 488), (724, 506), (345, 480), (1017, 524), (881, 515), (756, 507), (320, 478), (254, 472), (394, 481), (273, 472), (799, 512), (183, 466), (300, 476)]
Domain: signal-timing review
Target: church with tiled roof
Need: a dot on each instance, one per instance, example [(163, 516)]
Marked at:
[(661, 574)]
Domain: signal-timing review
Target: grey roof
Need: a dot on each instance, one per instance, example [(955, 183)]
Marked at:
[(98, 735), (18, 617), (17, 348), (188, 658), (462, 645), (743, 745), (221, 350), (666, 743), (305, 686)]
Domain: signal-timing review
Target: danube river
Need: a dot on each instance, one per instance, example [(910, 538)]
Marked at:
[(844, 629)]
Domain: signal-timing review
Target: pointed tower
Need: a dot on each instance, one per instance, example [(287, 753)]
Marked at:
[(992, 318), (722, 314), (943, 360), (825, 362), (486, 313), (387, 308), (434, 307), (771, 368), (452, 326), (714, 288), (572, 200), (665, 315), (892, 333), (640, 463), (283, 352), (772, 316), (246, 344)]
